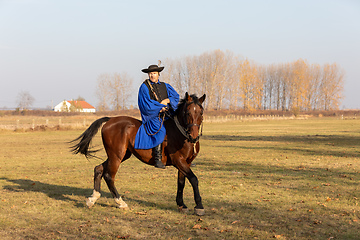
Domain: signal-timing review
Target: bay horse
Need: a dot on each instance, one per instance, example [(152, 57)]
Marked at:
[(180, 147)]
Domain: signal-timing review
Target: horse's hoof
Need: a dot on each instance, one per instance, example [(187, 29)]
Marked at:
[(89, 203), (120, 203), (183, 210), (199, 212)]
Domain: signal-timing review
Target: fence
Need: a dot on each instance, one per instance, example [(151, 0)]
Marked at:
[(81, 122), (15, 123), (229, 118)]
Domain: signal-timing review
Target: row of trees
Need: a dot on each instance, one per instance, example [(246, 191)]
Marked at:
[(232, 82)]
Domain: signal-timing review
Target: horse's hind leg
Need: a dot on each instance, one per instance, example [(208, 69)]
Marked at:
[(109, 177), (98, 174)]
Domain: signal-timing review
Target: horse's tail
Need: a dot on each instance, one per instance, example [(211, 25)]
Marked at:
[(85, 138)]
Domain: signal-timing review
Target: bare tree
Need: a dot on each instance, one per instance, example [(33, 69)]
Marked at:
[(314, 87), (114, 91), (251, 85), (24, 100), (103, 91), (120, 90), (80, 98), (332, 86)]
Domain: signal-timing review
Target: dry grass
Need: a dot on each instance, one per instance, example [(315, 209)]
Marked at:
[(293, 179)]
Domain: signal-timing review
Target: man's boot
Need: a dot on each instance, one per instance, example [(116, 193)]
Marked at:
[(157, 154)]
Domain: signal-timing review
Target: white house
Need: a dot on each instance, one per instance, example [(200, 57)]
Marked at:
[(74, 106)]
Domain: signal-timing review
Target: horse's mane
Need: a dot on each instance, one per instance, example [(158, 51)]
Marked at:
[(182, 102)]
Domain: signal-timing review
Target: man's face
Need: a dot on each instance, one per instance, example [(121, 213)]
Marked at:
[(154, 76)]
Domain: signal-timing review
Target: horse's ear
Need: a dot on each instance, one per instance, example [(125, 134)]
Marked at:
[(187, 97), (202, 99)]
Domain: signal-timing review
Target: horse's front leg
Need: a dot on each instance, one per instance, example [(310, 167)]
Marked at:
[(180, 191), (185, 169), (199, 208)]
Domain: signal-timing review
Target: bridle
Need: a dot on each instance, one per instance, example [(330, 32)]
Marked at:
[(185, 131)]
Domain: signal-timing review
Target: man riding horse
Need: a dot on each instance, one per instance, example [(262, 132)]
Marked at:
[(154, 99), (124, 136)]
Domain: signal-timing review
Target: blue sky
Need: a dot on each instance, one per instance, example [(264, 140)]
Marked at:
[(56, 50)]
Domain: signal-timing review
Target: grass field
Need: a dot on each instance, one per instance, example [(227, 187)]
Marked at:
[(283, 179)]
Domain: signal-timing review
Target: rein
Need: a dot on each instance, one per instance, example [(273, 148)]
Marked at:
[(185, 130), (161, 119)]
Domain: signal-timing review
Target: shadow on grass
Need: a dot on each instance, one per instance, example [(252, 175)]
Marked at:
[(284, 186), (271, 167), (63, 193), (267, 220), (233, 217), (300, 179), (311, 140), (342, 140), (57, 192)]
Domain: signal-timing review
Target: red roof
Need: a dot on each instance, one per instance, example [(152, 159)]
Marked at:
[(82, 104)]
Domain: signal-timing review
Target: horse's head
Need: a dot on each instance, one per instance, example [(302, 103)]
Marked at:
[(191, 112)]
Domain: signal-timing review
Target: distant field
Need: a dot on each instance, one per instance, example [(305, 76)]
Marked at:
[(282, 179), (31, 122)]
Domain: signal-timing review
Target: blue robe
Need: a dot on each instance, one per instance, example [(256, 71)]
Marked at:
[(149, 110)]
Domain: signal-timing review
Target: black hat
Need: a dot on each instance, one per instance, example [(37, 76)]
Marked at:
[(153, 68)]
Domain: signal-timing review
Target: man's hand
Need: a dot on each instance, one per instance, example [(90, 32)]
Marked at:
[(165, 101)]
